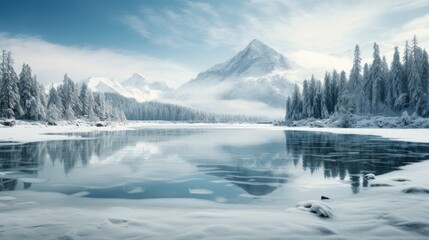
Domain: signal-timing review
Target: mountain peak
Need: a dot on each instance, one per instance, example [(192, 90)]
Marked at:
[(136, 75), (256, 59), (255, 43), (135, 80)]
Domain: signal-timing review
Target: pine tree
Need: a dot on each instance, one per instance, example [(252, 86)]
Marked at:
[(415, 83), (355, 85), (69, 98), (415, 87), (296, 104), (425, 83), (327, 93), (395, 79), (25, 90), (376, 80), (334, 90), (37, 109), (9, 96), (384, 83), (100, 106), (87, 100), (406, 68), (343, 94), (31, 95), (306, 106), (312, 93), (288, 108)]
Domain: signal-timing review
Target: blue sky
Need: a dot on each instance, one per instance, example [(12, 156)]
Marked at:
[(173, 40)]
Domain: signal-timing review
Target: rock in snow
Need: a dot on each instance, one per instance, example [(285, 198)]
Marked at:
[(317, 207), (324, 198), (370, 176), (415, 190)]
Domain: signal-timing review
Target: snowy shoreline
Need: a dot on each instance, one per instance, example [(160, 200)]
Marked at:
[(34, 131), (376, 212)]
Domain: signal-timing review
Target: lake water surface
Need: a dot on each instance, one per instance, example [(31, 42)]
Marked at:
[(228, 165)]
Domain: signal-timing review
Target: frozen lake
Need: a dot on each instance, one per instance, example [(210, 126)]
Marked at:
[(247, 166)]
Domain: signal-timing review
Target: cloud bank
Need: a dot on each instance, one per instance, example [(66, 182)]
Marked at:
[(51, 61)]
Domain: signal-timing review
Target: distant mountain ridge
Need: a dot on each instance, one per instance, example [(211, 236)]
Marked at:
[(136, 87)]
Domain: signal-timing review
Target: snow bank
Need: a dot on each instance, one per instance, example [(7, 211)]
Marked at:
[(354, 121), (377, 213), (25, 131), (320, 208)]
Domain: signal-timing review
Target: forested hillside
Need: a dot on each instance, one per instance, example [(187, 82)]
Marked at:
[(23, 97), (377, 89)]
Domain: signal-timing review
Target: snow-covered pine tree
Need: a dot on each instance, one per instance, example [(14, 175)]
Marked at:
[(317, 101), (344, 95), (37, 107), (415, 86), (425, 80), (312, 93), (334, 90), (87, 100), (425, 72), (406, 68), (355, 85), (54, 98), (395, 87), (324, 110), (42, 99), (296, 104), (31, 95), (25, 90), (384, 82), (100, 106), (9, 92), (288, 109), (69, 98), (376, 76), (327, 92), (55, 108), (306, 107)]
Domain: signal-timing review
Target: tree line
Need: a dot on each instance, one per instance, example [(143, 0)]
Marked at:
[(153, 110), (23, 97), (376, 89)]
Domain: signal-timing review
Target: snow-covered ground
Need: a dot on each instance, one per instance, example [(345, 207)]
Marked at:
[(384, 212), (354, 121)]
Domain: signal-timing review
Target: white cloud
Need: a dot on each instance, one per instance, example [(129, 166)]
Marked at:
[(286, 25), (417, 26), (50, 61)]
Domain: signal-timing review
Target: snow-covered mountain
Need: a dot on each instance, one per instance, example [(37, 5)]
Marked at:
[(109, 85), (142, 90), (255, 78), (136, 87)]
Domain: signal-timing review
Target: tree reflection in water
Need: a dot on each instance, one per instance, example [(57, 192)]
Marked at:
[(256, 168)]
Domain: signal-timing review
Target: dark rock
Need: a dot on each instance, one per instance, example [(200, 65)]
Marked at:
[(100, 124), (416, 190), (380, 185), (370, 176), (324, 198), (400, 180), (9, 123)]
